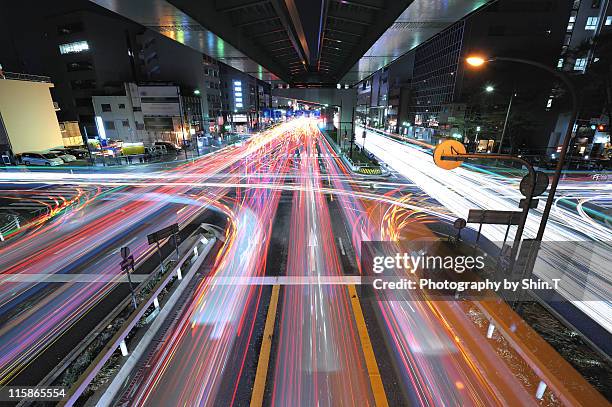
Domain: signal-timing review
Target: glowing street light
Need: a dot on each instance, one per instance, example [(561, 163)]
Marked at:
[(489, 88), (475, 61)]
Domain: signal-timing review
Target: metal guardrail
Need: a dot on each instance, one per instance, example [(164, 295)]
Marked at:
[(25, 77), (116, 341), (62, 365), (8, 227)]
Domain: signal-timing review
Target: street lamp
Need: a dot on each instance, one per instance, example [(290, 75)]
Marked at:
[(489, 88), (477, 61)]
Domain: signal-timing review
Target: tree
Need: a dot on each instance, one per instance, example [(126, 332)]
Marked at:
[(521, 126)]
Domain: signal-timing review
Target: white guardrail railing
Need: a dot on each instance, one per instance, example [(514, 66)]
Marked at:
[(196, 258)]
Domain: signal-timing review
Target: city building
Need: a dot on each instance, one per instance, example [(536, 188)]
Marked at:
[(587, 20), (91, 52), (147, 113), (212, 93), (589, 28), (410, 95), (157, 60), (28, 122), (243, 97), (71, 134)]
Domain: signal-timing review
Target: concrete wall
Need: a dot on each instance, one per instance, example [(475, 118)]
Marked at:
[(29, 116)]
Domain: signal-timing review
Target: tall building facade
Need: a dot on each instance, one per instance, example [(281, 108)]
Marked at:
[(243, 97), (589, 23), (28, 122), (587, 20), (92, 52), (430, 94)]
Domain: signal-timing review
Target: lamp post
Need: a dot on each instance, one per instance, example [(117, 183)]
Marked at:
[(501, 140), (490, 89), (478, 61)]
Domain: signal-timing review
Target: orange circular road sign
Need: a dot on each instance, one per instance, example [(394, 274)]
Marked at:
[(448, 148)]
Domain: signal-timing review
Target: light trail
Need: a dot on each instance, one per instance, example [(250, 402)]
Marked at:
[(319, 360), (210, 340), (439, 347), (85, 240), (463, 189)]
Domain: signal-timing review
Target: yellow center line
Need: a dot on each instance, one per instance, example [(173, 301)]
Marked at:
[(380, 397), (264, 353)]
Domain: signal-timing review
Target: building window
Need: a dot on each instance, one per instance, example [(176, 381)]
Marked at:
[(126, 123), (106, 107), (74, 47), (109, 125), (609, 20), (591, 23), (139, 126), (570, 26), (580, 64), (121, 105), (137, 109), (560, 63), (572, 18)]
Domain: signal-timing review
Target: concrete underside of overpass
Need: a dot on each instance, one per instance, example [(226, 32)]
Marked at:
[(301, 42)]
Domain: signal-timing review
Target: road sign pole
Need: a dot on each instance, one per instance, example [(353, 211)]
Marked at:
[(161, 259), (176, 246), (127, 271), (503, 157), (126, 264)]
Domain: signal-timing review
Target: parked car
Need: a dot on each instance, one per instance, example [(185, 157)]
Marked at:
[(170, 147), (48, 159), (150, 152), (160, 149), (79, 153), (67, 158)]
